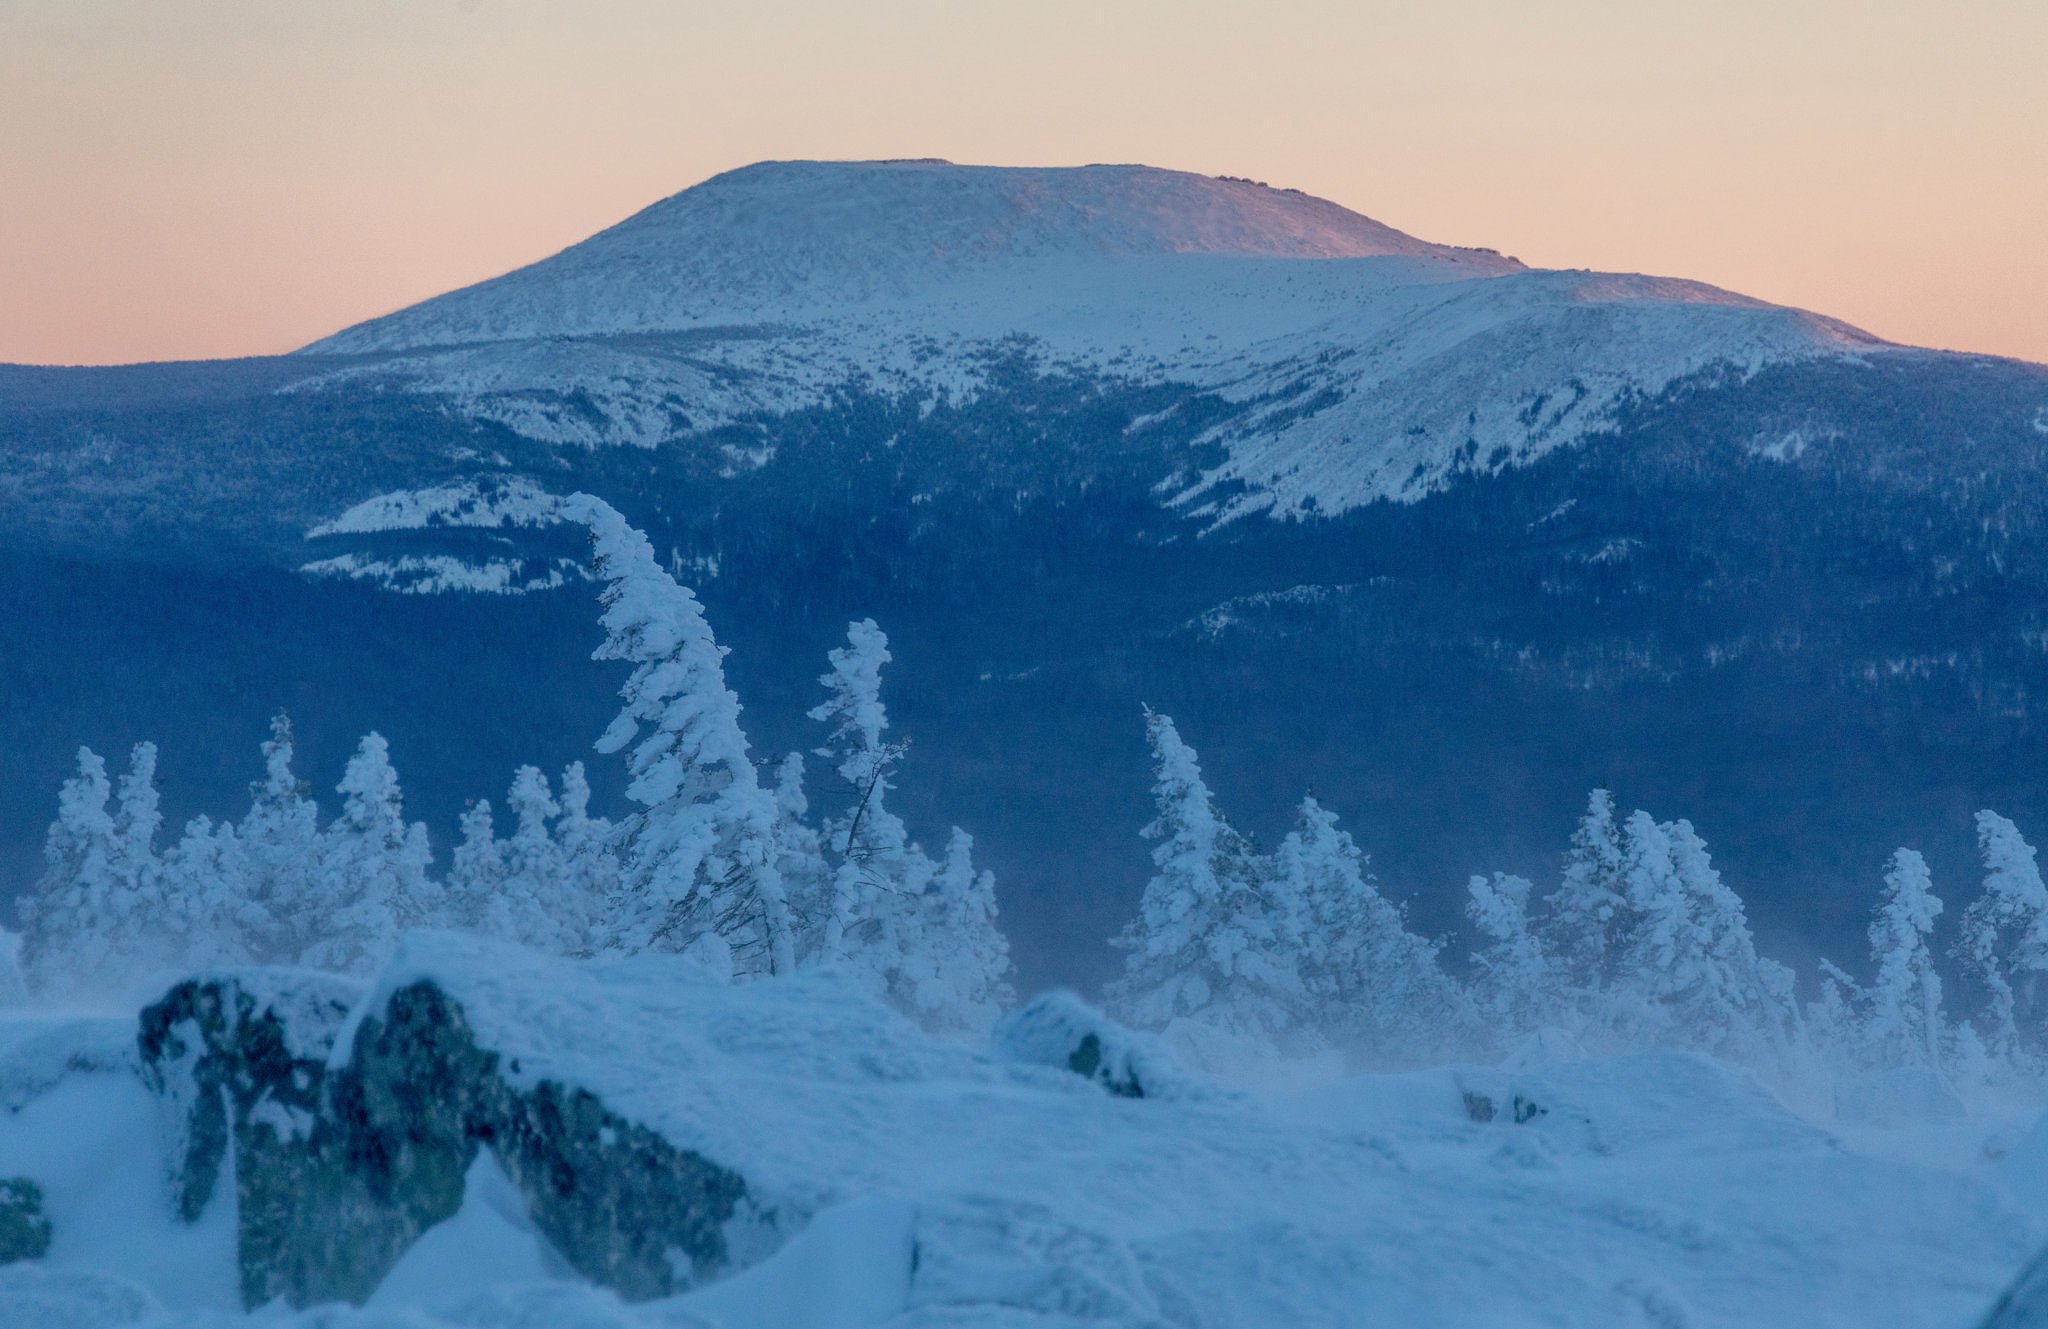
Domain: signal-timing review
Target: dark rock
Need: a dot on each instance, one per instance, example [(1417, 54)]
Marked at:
[(2024, 1305), (618, 1201), (1059, 1029), (339, 1171), (24, 1229), (241, 1060)]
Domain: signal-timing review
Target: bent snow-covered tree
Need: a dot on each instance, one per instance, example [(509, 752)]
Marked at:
[(874, 923), (1369, 982), (1208, 943), (699, 872), (2004, 942), (1690, 971)]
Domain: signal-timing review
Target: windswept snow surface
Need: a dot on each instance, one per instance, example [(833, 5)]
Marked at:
[(918, 1183), (1370, 364)]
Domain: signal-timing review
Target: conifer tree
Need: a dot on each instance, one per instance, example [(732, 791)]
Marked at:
[(278, 887), (74, 919), (1208, 943), (373, 868), (800, 857), (2004, 942), (1690, 962), (476, 875), (138, 818), (1906, 1024), (1512, 977), (206, 896), (1367, 981), (536, 904), (875, 923), (586, 848), (1580, 919), (699, 868), (963, 981)]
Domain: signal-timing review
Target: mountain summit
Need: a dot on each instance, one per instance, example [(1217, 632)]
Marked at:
[(777, 240), (1372, 364)]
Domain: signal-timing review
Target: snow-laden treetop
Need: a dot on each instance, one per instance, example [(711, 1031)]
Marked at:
[(789, 239)]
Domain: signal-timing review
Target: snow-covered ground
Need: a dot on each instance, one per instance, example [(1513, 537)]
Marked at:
[(897, 1180), (1375, 365)]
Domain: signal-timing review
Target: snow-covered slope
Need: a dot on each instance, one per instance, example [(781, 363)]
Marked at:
[(782, 241), (865, 1176), (1371, 364)]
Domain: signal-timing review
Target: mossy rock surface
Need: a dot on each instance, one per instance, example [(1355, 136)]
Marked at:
[(340, 1170), (24, 1228)]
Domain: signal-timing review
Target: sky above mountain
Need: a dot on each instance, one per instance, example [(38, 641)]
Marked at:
[(233, 177)]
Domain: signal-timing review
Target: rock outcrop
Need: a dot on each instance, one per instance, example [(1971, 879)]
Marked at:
[(349, 1141)]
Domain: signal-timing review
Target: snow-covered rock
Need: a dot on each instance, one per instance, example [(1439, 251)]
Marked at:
[(501, 1140), (1059, 1029)]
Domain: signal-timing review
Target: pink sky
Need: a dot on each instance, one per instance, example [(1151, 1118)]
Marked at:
[(234, 177)]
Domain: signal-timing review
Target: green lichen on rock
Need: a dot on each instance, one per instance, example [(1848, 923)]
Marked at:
[(340, 1170), (24, 1228), (241, 1060), (617, 1200)]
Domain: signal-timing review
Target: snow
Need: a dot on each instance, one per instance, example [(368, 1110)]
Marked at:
[(491, 1240), (917, 1183), (1373, 365), (850, 1268), (515, 502), (92, 1140), (435, 574), (1651, 1180)]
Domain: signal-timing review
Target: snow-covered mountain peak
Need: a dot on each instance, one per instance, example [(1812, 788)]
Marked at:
[(1352, 362), (797, 241)]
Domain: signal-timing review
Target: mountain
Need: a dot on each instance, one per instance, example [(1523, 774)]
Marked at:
[(1445, 537)]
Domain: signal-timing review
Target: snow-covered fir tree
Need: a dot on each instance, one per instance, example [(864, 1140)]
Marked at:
[(1513, 982), (278, 842), (875, 923), (2004, 941), (586, 848), (138, 818), (698, 874), (1689, 967), (1208, 943), (961, 982), (1581, 918), (1906, 1025), (476, 873), (537, 904), (74, 919), (1366, 981), (99, 913), (209, 911), (373, 880)]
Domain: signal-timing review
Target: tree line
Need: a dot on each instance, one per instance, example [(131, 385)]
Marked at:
[(721, 860)]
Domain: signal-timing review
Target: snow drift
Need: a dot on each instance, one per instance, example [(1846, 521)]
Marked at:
[(496, 1138)]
